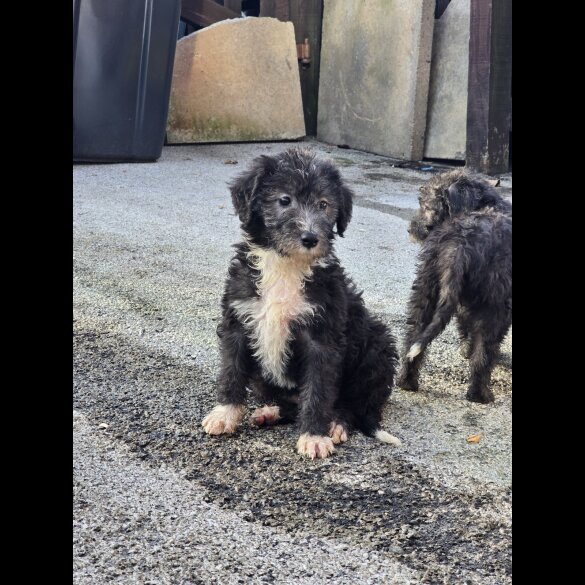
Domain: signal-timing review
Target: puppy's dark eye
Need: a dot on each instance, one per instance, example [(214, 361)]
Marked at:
[(323, 204), (284, 200)]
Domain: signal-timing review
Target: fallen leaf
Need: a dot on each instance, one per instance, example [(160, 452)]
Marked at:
[(474, 438), (230, 161)]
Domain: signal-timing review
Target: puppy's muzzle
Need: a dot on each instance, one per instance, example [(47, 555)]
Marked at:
[(309, 239)]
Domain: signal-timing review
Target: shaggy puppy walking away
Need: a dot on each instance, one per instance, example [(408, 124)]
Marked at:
[(294, 328), (464, 269)]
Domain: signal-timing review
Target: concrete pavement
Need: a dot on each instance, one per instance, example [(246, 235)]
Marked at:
[(157, 501)]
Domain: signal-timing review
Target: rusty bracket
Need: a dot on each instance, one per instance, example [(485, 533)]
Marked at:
[(304, 54)]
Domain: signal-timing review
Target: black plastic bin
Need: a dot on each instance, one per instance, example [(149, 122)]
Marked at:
[(123, 54)]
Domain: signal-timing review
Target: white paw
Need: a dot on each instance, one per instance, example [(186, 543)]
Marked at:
[(267, 415), (337, 433), (315, 446), (223, 419)]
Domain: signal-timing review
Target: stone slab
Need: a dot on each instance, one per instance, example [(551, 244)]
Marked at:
[(447, 110), (237, 80), (375, 67)]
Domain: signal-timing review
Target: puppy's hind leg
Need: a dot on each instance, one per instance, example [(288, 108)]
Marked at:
[(367, 389), (280, 406), (464, 325), (338, 431), (482, 359), (269, 415), (485, 350), (265, 416), (421, 308), (429, 313), (409, 372)]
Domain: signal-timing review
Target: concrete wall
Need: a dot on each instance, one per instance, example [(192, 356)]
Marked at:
[(447, 111), (375, 67)]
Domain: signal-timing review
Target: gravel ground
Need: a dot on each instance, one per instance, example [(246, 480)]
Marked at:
[(157, 501)]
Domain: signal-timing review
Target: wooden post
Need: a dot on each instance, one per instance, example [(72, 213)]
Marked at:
[(235, 5), (307, 17), (276, 8), (205, 12), (489, 100)]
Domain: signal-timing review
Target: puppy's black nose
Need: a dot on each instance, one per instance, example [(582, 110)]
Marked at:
[(309, 239)]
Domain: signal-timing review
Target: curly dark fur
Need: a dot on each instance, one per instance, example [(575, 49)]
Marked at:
[(464, 269), (339, 362)]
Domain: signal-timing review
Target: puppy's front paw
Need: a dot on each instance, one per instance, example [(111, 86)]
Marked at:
[(315, 446), (223, 419), (265, 416), (337, 433)]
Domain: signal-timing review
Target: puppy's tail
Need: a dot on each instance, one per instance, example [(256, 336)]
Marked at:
[(371, 428), (385, 437)]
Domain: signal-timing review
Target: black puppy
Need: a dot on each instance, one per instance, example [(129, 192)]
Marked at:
[(294, 328), (464, 269)]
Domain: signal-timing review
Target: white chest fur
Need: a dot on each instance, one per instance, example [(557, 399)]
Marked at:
[(269, 317)]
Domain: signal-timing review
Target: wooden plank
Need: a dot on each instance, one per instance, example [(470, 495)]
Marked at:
[(276, 8), (235, 5), (307, 16), (489, 100), (205, 12)]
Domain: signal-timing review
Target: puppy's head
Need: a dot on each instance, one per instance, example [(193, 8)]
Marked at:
[(292, 203), (450, 194)]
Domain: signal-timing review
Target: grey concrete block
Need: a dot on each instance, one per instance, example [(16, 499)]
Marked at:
[(375, 67), (237, 80), (447, 111)]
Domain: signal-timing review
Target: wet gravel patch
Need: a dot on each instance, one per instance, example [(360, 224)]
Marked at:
[(368, 495), (135, 523)]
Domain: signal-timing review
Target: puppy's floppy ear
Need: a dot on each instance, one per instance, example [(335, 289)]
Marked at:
[(489, 197), (467, 194), (455, 199), (244, 187), (345, 208)]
